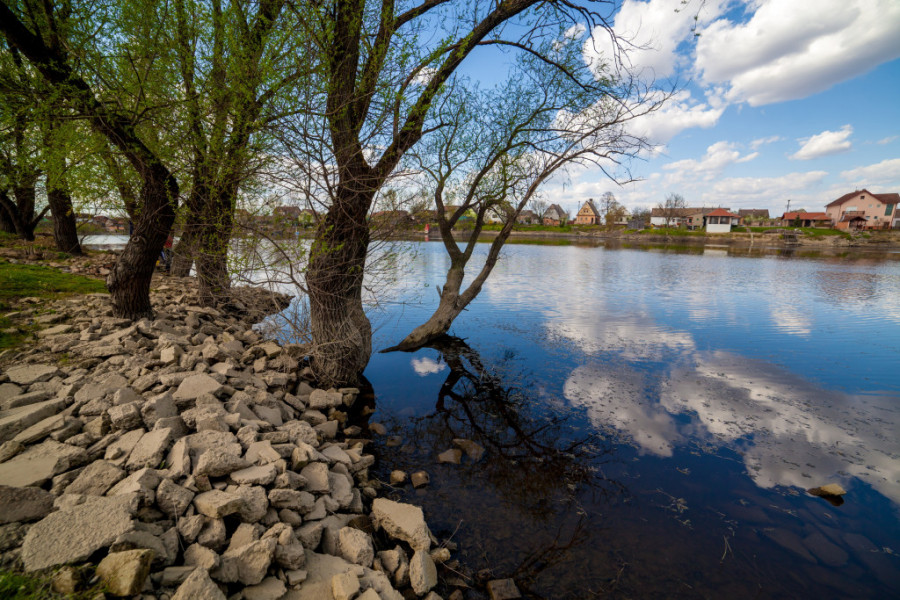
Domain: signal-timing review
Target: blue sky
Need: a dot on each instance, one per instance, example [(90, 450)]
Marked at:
[(778, 100)]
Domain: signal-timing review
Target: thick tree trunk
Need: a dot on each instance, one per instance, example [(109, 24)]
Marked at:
[(64, 226), (341, 332), (212, 264), (129, 280)]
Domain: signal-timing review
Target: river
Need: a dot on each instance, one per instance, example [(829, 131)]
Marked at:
[(653, 417)]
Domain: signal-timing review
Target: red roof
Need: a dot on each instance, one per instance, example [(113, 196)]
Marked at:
[(806, 216), (721, 212)]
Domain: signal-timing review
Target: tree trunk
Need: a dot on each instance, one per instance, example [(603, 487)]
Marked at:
[(212, 265), (64, 226), (341, 332), (183, 252), (6, 221), (440, 321), (129, 280)]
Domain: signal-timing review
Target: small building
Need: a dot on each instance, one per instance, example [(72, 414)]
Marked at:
[(805, 219), (721, 221), (555, 216), (676, 217), (879, 210), (287, 212), (588, 214), (528, 217), (753, 215)]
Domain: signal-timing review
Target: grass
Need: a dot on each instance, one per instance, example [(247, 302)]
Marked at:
[(23, 281), (672, 231), (16, 586)]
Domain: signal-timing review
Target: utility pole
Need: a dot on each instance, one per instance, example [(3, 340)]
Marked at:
[(788, 209)]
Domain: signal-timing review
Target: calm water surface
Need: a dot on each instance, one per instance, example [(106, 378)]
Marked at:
[(652, 419)]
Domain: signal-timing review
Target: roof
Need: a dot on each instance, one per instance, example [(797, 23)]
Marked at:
[(555, 207), (677, 212), (754, 212), (890, 198), (721, 212), (806, 216), (852, 218), (590, 204)]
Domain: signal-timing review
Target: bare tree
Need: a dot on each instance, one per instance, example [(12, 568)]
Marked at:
[(500, 146), (672, 208)]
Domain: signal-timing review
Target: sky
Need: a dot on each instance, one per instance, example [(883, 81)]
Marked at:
[(777, 100)]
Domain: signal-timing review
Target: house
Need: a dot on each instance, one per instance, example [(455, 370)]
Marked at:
[(879, 210), (555, 216), (588, 214), (528, 217), (287, 212), (753, 215), (806, 219), (391, 218), (721, 221), (676, 217)]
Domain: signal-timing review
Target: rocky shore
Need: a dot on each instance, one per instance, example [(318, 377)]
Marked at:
[(189, 457)]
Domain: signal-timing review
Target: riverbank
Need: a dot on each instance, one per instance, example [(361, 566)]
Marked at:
[(190, 457)]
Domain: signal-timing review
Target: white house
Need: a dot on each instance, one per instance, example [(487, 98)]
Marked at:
[(720, 221)]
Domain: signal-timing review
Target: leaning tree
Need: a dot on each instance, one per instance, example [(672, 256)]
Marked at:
[(384, 64), (500, 146)]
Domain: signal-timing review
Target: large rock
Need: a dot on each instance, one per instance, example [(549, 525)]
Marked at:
[(218, 464), (73, 534), (150, 449), (195, 386), (23, 504), (261, 475), (96, 479), (247, 564), (28, 374), (402, 521), (18, 419), (198, 586), (356, 546), (422, 572), (124, 573), (40, 463), (173, 499), (218, 504)]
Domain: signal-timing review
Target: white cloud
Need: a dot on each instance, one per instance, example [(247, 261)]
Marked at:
[(680, 112), (757, 143), (885, 172), (649, 34), (887, 140), (717, 157), (791, 49), (427, 366), (824, 144)]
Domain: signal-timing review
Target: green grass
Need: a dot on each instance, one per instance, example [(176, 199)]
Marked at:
[(672, 231), (22, 281), (16, 586)]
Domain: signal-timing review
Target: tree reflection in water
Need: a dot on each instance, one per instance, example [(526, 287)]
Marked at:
[(536, 466)]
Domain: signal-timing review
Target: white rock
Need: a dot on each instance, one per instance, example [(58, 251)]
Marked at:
[(356, 546), (402, 521), (422, 572)]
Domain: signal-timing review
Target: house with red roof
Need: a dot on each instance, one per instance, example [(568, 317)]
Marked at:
[(806, 219), (720, 221), (862, 209)]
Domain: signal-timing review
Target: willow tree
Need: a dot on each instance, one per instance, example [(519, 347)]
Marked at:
[(73, 46), (385, 62), (504, 143), (238, 61)]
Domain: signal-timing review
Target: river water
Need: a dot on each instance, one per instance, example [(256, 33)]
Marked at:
[(653, 417)]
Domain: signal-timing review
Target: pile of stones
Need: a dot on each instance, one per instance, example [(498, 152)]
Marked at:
[(188, 457)]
